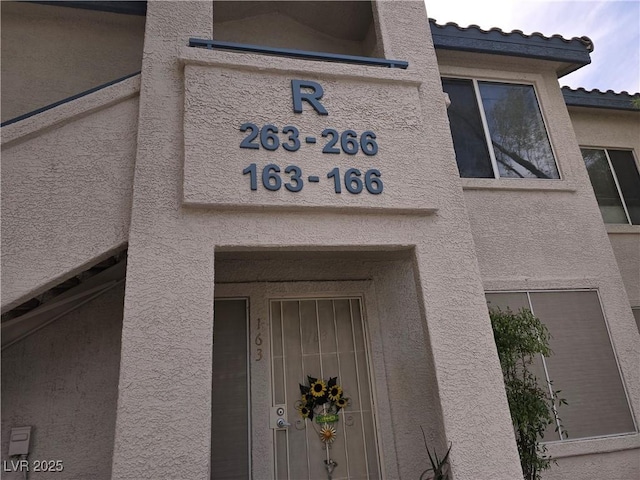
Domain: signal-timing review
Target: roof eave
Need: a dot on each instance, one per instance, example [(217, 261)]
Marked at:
[(597, 99), (569, 54)]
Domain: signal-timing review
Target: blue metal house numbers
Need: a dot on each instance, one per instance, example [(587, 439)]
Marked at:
[(349, 142)]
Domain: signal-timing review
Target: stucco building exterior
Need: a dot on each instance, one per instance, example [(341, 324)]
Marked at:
[(205, 202)]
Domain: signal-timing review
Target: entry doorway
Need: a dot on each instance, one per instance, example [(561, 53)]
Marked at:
[(287, 333)]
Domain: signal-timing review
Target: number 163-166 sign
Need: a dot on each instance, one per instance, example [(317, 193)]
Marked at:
[(272, 177)]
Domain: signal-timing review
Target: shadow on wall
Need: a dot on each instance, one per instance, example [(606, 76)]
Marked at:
[(50, 53), (346, 28), (63, 381)]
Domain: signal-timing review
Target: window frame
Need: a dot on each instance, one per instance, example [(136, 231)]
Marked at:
[(636, 161), (485, 126), (528, 293)]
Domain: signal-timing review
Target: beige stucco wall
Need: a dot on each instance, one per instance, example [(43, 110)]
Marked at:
[(626, 247), (171, 258), (615, 129), (277, 30), (346, 28), (395, 119), (459, 237), (618, 464), (67, 176), (600, 127), (51, 53), (62, 381), (540, 235)]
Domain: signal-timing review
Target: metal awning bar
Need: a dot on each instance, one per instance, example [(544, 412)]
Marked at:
[(21, 327), (66, 100), (292, 53)]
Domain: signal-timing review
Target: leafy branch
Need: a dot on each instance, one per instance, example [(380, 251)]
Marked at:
[(520, 337)]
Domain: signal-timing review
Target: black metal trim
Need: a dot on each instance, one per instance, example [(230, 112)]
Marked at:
[(598, 99), (289, 52), (62, 287), (67, 100), (125, 8)]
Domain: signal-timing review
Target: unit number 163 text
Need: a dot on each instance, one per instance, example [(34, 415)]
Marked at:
[(354, 180)]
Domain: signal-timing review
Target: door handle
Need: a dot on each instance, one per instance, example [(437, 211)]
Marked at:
[(282, 423)]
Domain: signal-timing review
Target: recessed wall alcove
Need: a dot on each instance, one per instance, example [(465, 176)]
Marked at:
[(382, 281), (346, 28)]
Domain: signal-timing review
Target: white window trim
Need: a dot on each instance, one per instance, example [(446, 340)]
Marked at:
[(615, 175), (618, 189), (615, 355), (485, 126)]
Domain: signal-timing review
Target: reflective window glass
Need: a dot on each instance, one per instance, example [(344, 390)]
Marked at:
[(617, 190), (582, 365), (629, 180), (518, 136), (498, 130), (468, 135), (604, 186)]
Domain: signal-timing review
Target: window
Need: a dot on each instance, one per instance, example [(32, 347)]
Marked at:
[(230, 391), (498, 130), (583, 365), (616, 183)]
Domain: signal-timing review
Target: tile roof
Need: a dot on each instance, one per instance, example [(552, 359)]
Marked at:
[(597, 99), (573, 52)]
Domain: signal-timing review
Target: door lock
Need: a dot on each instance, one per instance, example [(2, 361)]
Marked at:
[(279, 417), (281, 423)]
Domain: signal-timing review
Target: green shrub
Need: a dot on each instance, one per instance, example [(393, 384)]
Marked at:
[(519, 338)]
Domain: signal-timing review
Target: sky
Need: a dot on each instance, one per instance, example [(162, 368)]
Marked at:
[(612, 25)]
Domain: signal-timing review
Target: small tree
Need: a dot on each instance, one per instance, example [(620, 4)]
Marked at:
[(519, 338)]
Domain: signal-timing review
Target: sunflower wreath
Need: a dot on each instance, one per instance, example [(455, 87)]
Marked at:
[(319, 395)]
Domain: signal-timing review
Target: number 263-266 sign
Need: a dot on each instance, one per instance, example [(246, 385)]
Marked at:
[(270, 137)]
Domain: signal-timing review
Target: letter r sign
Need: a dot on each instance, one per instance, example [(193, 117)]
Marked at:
[(312, 97)]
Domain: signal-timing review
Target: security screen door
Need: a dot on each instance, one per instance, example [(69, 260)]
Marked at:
[(321, 338)]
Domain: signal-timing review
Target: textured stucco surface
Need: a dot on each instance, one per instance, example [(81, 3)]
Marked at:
[(217, 107), (617, 129), (50, 53), (317, 28), (626, 247), (282, 31), (552, 237), (164, 399), (459, 237), (62, 380), (623, 465), (597, 127), (67, 177), (166, 355)]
